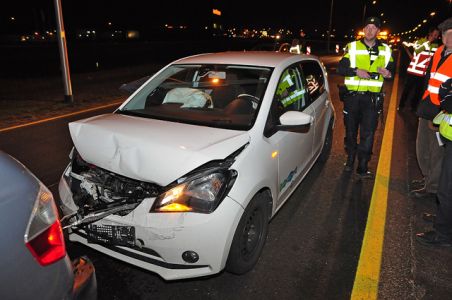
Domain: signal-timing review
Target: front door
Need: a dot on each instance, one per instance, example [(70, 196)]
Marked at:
[(294, 149)]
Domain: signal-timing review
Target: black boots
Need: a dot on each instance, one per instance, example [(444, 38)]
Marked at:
[(348, 166), (362, 170)]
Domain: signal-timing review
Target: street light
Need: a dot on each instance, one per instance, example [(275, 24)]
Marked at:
[(329, 27), (68, 97)]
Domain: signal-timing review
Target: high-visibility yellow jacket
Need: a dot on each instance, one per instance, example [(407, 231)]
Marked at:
[(360, 58), (444, 120)]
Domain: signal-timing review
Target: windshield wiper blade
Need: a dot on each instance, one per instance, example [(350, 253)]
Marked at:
[(222, 121)]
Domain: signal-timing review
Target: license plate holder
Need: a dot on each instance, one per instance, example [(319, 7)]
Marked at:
[(111, 235)]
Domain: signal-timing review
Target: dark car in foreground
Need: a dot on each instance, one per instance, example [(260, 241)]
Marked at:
[(33, 259)]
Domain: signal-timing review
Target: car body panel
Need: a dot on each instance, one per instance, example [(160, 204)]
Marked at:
[(151, 150), (17, 199)]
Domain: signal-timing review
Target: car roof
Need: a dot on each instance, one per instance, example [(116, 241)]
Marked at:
[(249, 58)]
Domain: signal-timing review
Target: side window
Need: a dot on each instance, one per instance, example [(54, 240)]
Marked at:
[(290, 93), (315, 80)]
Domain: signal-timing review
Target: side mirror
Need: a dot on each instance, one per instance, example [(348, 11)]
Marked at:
[(295, 121)]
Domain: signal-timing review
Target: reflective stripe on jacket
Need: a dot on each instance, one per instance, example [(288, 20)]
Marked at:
[(438, 76), (360, 58), (423, 52)]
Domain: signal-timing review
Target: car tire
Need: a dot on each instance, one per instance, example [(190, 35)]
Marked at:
[(327, 144), (250, 235)]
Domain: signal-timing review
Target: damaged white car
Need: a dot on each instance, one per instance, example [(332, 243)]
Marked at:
[(184, 177)]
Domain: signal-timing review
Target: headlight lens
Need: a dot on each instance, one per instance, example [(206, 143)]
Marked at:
[(200, 193)]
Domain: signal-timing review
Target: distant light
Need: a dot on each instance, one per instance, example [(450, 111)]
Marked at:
[(375, 2), (12, 18), (206, 28), (109, 23), (432, 13), (424, 21), (274, 154), (382, 14), (36, 33), (216, 12)]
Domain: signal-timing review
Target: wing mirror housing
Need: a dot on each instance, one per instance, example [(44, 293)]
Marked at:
[(295, 121)]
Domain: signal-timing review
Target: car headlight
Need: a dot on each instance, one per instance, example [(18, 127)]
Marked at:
[(200, 193)]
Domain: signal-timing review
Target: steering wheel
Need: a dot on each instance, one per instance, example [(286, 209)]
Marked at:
[(254, 100)]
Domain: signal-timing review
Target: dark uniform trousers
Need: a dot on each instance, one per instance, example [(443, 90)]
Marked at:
[(443, 222), (413, 84), (360, 114), (429, 155)]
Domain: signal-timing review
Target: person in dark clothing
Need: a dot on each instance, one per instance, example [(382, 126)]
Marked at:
[(442, 233), (365, 65), (423, 51)]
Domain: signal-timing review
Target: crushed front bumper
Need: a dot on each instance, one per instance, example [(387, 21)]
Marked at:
[(162, 238)]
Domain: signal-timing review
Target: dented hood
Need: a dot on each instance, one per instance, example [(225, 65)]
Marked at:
[(148, 149)]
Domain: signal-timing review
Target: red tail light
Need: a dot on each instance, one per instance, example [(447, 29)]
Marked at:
[(48, 247), (44, 235)]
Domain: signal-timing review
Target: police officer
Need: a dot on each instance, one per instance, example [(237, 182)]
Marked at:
[(424, 49), (365, 65), (442, 233)]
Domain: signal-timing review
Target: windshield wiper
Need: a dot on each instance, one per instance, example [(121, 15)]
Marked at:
[(132, 113), (222, 121)]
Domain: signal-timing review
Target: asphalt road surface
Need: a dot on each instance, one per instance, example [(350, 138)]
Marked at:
[(314, 241)]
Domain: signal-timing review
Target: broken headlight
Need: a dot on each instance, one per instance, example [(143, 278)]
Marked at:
[(198, 193)]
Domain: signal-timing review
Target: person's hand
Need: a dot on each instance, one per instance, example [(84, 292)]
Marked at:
[(362, 74), (384, 72)]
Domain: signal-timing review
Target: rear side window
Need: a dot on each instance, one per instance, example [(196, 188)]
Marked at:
[(315, 79)]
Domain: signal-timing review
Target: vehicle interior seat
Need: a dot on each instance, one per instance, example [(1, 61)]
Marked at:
[(224, 94), (239, 106)]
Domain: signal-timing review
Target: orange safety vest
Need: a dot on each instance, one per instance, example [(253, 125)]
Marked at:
[(438, 76)]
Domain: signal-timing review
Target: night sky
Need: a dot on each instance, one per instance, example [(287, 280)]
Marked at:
[(142, 15)]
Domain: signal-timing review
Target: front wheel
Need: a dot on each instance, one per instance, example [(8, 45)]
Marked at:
[(250, 236)]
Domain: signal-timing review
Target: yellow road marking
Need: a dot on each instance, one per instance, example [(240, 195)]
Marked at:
[(368, 272), (59, 117)]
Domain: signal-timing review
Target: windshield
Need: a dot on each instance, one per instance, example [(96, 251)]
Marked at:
[(224, 96)]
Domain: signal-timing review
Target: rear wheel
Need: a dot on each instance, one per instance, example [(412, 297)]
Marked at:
[(250, 235)]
